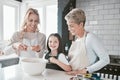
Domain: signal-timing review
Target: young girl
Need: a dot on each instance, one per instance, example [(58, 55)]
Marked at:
[(56, 58)]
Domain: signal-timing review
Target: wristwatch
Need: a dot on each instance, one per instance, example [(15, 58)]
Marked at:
[(87, 71)]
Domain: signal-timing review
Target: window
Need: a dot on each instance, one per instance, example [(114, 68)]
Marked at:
[(51, 19), (48, 19), (9, 18), (8, 22), (48, 15), (41, 28)]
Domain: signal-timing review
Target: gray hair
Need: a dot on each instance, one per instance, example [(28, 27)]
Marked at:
[(77, 15)]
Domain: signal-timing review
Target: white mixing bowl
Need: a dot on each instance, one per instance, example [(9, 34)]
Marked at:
[(33, 66)]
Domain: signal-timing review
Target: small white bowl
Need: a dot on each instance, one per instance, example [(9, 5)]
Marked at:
[(33, 66)]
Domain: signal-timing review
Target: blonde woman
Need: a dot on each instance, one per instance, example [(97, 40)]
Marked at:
[(28, 42)]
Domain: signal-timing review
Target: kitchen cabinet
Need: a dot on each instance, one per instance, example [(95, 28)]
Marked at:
[(66, 36), (112, 69), (8, 60)]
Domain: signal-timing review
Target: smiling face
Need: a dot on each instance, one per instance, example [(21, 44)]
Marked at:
[(76, 20), (32, 22), (72, 27), (75, 28), (53, 43)]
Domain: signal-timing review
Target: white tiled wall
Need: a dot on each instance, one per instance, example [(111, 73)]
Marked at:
[(103, 19)]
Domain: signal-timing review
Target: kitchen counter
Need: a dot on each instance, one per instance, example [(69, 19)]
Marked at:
[(15, 72), (8, 60), (10, 69)]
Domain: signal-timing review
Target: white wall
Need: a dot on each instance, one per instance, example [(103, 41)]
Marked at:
[(103, 18)]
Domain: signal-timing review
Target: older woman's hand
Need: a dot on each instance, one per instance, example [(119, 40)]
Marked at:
[(76, 72)]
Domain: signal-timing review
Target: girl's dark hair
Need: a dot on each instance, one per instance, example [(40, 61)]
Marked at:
[(60, 42)]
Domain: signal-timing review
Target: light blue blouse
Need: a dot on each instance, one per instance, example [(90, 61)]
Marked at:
[(97, 54)]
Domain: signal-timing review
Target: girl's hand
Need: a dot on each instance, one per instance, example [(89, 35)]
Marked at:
[(36, 48), (53, 60)]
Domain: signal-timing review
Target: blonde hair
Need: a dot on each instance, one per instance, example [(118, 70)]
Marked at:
[(77, 15), (29, 11)]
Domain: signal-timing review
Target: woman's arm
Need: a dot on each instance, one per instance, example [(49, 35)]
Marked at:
[(42, 44), (97, 51), (9, 49)]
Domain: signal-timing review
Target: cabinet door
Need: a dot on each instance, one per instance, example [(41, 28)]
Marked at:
[(66, 35)]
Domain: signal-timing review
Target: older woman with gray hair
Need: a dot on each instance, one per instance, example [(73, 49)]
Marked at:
[(28, 42), (87, 53)]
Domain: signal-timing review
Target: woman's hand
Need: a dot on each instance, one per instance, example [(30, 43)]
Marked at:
[(36, 48), (22, 47), (76, 72), (1, 53)]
